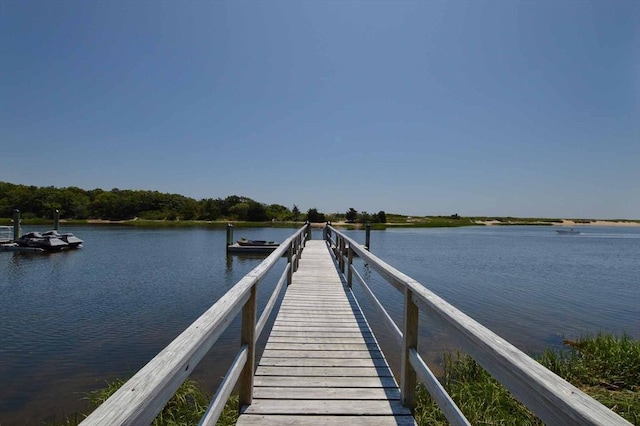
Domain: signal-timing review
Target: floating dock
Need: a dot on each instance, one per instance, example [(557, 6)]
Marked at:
[(16, 248)]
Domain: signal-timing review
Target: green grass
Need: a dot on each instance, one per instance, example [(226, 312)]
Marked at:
[(604, 366), (186, 407), (480, 397)]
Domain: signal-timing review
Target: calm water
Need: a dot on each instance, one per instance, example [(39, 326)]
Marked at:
[(71, 320)]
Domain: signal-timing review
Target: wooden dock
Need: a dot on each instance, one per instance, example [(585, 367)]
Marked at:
[(322, 364)]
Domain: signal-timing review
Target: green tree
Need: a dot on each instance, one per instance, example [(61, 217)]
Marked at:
[(382, 217), (295, 212), (314, 216), (351, 215)]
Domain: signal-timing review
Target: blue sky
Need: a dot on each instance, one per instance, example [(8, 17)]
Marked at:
[(423, 108)]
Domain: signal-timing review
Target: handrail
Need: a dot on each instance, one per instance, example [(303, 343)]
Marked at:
[(142, 397), (548, 396)]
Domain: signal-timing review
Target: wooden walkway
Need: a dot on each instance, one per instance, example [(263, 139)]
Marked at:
[(322, 364)]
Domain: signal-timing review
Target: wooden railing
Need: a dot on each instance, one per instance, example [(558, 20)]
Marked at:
[(552, 399), (143, 396)]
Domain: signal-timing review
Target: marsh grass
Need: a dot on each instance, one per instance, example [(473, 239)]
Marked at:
[(478, 395), (186, 407), (604, 366)]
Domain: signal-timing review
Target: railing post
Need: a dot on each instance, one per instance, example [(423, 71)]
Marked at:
[(16, 225), (367, 240), (289, 258), (247, 337), (408, 379), (349, 266), (308, 235), (341, 250)]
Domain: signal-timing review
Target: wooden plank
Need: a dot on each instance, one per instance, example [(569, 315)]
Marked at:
[(323, 371), (312, 339), (322, 346), (336, 382), (288, 420), (326, 393), (323, 362), (323, 407), (323, 354), (331, 333)]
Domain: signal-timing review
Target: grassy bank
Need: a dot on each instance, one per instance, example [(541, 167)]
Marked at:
[(393, 221), (604, 366)]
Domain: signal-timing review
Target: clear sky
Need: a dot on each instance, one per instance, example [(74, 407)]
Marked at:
[(499, 108)]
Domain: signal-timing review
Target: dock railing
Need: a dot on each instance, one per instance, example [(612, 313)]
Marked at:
[(142, 397), (548, 396)]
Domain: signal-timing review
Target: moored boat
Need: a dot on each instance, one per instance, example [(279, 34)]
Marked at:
[(68, 237), (44, 242), (567, 231), (257, 243)]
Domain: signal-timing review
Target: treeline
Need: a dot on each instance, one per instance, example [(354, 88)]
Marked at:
[(125, 204), (116, 204)]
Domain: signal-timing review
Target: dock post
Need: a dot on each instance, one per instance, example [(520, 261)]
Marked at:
[(247, 338), (56, 219), (16, 225), (349, 267), (408, 377), (367, 240), (229, 234)]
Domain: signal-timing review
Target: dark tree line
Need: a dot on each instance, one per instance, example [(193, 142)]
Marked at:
[(116, 204), (126, 204), (352, 215)]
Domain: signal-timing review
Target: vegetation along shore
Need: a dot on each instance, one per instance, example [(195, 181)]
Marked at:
[(152, 208)]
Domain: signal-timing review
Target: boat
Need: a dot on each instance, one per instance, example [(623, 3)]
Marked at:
[(257, 243), (44, 242), (68, 237), (567, 231)]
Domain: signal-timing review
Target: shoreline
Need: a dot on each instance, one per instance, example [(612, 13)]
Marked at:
[(565, 222)]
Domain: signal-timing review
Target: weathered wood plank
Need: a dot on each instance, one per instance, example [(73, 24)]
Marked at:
[(327, 393), (323, 362), (284, 420), (322, 346), (323, 407), (323, 371), (335, 382), (330, 340), (322, 354)]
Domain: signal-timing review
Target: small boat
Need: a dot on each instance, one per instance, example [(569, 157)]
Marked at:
[(68, 237), (44, 242), (567, 231), (257, 243)]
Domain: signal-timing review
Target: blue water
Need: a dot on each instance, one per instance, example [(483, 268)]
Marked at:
[(71, 320)]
